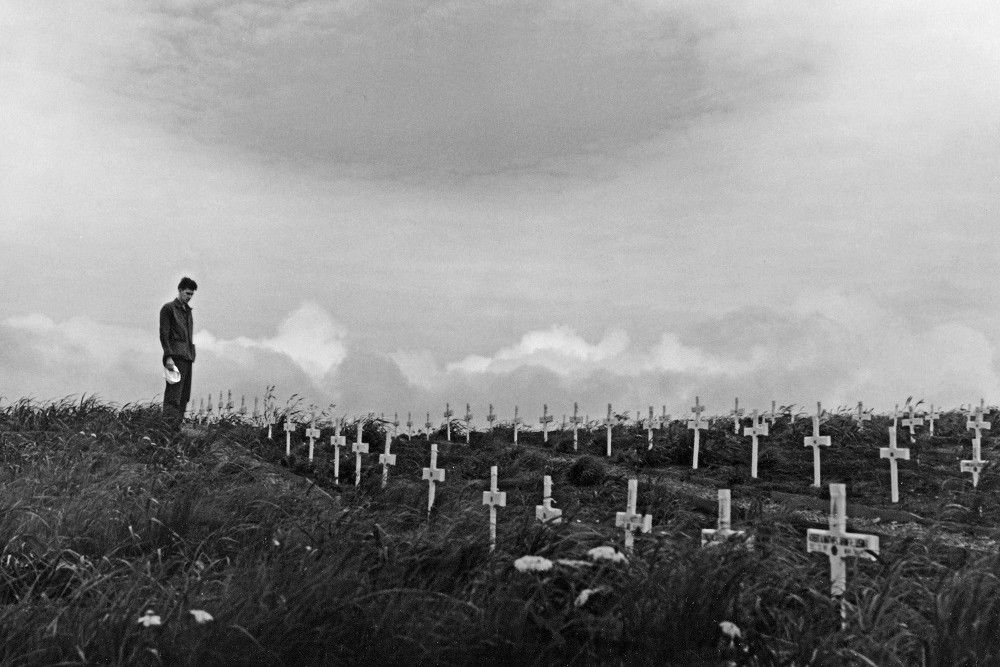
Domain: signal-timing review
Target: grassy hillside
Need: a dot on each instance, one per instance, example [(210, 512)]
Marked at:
[(105, 516)]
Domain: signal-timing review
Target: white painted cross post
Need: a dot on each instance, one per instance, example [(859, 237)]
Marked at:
[(911, 422), (773, 414), (631, 520), (468, 423), (816, 441), (201, 408), (609, 422), (895, 416), (432, 475), (243, 405), (931, 417), (837, 543), (651, 424), (517, 424), (490, 418), (221, 404), (758, 429), (447, 420), (979, 424), (428, 426), (386, 459), (208, 416), (409, 425), (737, 414), (894, 453), (256, 409), (544, 420), (696, 424), (359, 448), (576, 421), (395, 424), (545, 512), (976, 464), (289, 429), (270, 420), (229, 402), (337, 441), (664, 418), (861, 416), (494, 498), (723, 530), (312, 433)]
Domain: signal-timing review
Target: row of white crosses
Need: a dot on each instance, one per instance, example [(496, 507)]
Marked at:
[(226, 407)]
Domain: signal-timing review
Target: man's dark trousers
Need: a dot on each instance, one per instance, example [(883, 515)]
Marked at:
[(177, 395)]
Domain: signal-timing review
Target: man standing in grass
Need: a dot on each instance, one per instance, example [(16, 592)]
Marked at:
[(177, 341)]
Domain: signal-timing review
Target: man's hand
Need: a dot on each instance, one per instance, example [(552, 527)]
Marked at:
[(169, 363)]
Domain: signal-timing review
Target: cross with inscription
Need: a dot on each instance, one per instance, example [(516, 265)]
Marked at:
[(494, 498), (976, 464), (816, 441), (432, 474), (723, 530), (737, 414), (359, 448), (758, 429), (894, 453), (911, 422), (839, 544), (931, 417), (630, 519), (696, 424), (386, 459), (312, 433), (979, 424), (544, 420), (545, 512)]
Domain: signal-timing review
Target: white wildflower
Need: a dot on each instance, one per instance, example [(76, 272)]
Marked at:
[(533, 564), (201, 616), (730, 630), (587, 593), (275, 542), (608, 554), (149, 619)]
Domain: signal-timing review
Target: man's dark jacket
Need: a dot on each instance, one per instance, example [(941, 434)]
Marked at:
[(177, 331)]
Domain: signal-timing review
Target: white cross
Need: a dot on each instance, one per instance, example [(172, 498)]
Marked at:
[(312, 433), (517, 424), (816, 441), (894, 453), (758, 429), (490, 417), (289, 429), (359, 448), (837, 543), (664, 419), (911, 422), (979, 424), (931, 417), (395, 423), (409, 425), (976, 464), (270, 420), (386, 459), (209, 405), (447, 418), (337, 441), (696, 425), (895, 416), (651, 424), (861, 417), (631, 520), (494, 498), (576, 421), (544, 421), (201, 407), (229, 401), (723, 530), (256, 408), (609, 422), (243, 404), (737, 414), (221, 405), (545, 512), (432, 475), (428, 426), (773, 414), (468, 423)]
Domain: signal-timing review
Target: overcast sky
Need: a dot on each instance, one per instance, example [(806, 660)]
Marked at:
[(390, 205)]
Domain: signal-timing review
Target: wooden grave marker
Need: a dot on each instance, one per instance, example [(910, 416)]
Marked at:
[(312, 433), (517, 424), (839, 544), (468, 424), (932, 417), (338, 441), (894, 453), (432, 475), (494, 498), (429, 426), (976, 464), (409, 425), (386, 459), (289, 429), (359, 447), (630, 519), (447, 420), (979, 423), (490, 417), (545, 512), (912, 422), (696, 424), (860, 417), (609, 422), (651, 424), (723, 529), (545, 420), (576, 421), (737, 414), (759, 428), (816, 441)]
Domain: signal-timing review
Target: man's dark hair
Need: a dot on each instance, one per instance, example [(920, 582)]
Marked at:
[(187, 283)]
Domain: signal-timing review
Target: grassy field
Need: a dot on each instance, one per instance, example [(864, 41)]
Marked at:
[(120, 540)]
